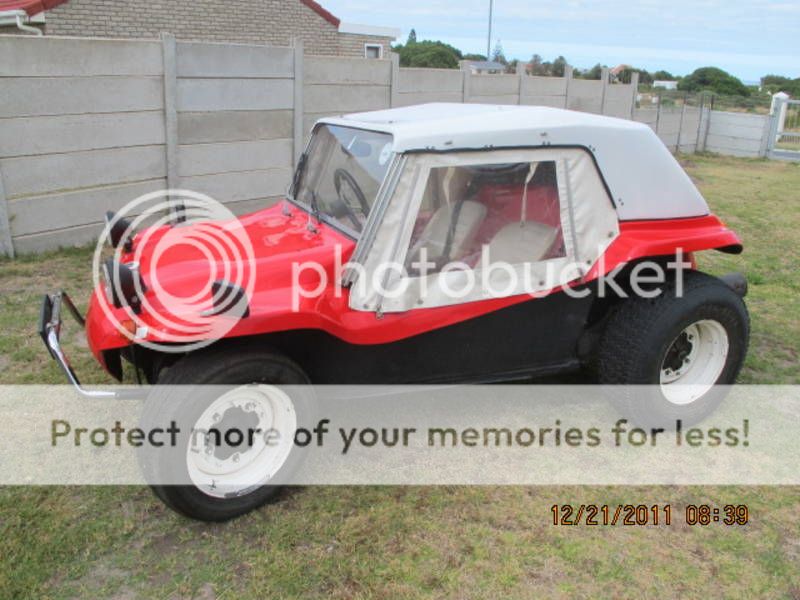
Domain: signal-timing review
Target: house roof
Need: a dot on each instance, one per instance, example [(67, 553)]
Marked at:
[(642, 175), (317, 8), (31, 7)]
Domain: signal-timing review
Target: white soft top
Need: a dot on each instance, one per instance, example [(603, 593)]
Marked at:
[(645, 180)]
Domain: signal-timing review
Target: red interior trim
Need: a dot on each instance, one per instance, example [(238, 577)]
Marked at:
[(317, 8)]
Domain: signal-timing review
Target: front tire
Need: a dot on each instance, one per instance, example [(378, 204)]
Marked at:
[(682, 348), (202, 478)]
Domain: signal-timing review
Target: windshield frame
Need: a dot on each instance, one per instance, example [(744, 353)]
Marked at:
[(330, 220)]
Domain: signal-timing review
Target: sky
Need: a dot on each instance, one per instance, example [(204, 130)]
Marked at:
[(746, 38)]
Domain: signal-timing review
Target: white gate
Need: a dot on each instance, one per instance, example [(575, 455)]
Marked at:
[(784, 135)]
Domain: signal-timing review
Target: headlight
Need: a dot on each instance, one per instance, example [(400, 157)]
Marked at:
[(124, 285)]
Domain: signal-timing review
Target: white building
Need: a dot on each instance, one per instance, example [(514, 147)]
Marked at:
[(666, 84)]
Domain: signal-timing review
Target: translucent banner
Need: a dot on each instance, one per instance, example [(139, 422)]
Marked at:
[(228, 440)]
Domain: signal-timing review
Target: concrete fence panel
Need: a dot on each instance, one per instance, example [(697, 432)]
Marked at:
[(234, 94), (45, 96), (32, 175), (26, 56), (234, 126), (234, 121), (690, 130), (585, 96), (494, 89), (335, 85), (736, 134), (335, 70), (544, 91), (544, 86), (82, 128), (25, 136), (648, 116), (224, 61), (618, 101), (419, 86)]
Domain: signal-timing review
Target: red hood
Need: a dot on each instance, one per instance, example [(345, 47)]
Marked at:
[(263, 245), (183, 261)]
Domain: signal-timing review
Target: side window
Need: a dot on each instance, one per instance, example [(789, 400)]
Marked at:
[(512, 209)]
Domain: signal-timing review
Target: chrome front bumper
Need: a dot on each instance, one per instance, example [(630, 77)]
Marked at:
[(50, 330)]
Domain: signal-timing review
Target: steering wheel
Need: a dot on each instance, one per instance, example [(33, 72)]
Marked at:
[(340, 175)]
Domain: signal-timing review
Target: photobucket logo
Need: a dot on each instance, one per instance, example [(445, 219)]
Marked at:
[(458, 281), (174, 285)]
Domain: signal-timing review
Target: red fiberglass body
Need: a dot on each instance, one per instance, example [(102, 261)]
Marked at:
[(281, 238)]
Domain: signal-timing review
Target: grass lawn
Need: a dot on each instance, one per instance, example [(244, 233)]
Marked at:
[(461, 542)]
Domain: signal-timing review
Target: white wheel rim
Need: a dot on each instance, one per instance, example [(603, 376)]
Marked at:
[(688, 374), (238, 468)]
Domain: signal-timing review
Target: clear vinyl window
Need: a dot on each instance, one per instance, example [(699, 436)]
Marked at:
[(513, 210), (341, 173)]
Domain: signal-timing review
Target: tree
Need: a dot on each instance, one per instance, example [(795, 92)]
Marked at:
[(435, 55), (596, 72), (476, 57), (559, 67), (498, 55), (663, 76), (626, 75), (714, 80), (412, 37), (537, 65), (779, 83)]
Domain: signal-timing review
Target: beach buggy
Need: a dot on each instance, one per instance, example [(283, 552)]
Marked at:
[(436, 244)]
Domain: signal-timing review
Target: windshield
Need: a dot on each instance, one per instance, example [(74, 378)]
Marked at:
[(341, 173)]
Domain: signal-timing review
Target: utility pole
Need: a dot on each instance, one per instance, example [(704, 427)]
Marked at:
[(489, 42)]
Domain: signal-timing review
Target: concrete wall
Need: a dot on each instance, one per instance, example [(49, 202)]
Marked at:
[(679, 128), (87, 125), (693, 129), (234, 109), (334, 86), (81, 132)]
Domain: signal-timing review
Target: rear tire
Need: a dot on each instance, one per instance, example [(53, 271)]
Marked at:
[(680, 347), (181, 397)]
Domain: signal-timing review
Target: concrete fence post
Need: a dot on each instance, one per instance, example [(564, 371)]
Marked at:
[(658, 112), (708, 122), (465, 86), (169, 49), (298, 108), (700, 123), (394, 81), (6, 241), (603, 89), (635, 95), (769, 137), (568, 78), (680, 123)]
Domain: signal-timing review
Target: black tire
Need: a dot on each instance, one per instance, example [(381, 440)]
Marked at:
[(641, 331), (179, 397)]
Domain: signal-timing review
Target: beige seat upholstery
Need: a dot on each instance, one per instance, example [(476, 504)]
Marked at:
[(523, 242), (434, 237)]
